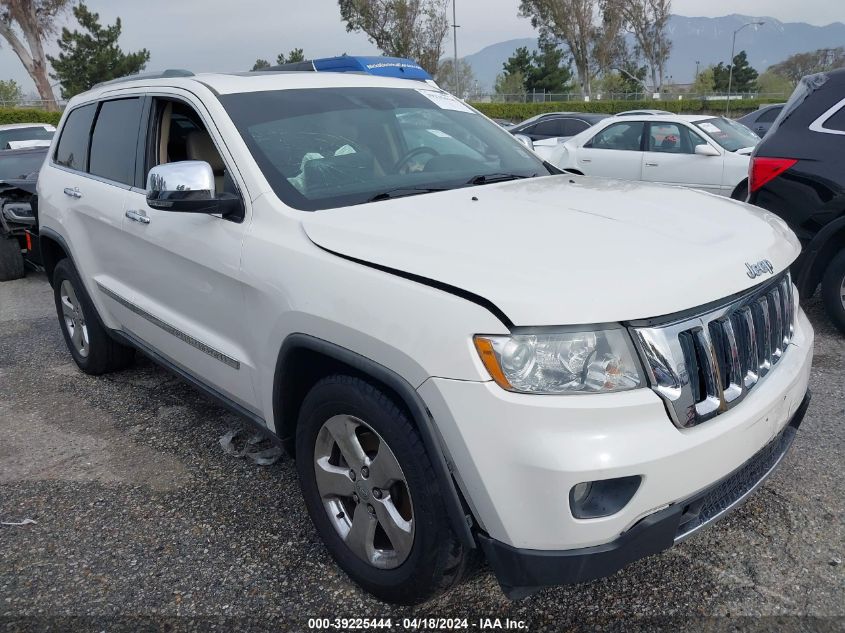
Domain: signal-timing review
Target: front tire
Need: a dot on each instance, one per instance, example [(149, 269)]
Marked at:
[(372, 494), (93, 350), (833, 291), (11, 259)]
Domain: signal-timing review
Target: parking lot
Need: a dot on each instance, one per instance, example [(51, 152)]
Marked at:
[(140, 517)]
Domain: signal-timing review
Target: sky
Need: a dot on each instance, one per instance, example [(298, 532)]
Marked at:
[(210, 35)]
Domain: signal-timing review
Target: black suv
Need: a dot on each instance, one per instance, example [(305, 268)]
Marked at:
[(798, 172)]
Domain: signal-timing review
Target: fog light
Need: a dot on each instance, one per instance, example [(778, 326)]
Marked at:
[(594, 499), (580, 492)]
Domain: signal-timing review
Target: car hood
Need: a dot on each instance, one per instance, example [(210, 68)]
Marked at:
[(562, 250)]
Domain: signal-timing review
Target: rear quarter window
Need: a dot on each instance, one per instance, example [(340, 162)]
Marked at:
[(72, 150)]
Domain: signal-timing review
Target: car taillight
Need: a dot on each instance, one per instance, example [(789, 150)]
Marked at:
[(761, 170)]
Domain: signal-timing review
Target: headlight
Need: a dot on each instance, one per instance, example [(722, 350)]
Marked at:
[(561, 362)]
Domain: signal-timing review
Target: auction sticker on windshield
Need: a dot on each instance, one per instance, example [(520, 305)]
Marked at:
[(445, 101)]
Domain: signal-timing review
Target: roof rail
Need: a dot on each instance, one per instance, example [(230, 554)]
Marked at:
[(170, 72)]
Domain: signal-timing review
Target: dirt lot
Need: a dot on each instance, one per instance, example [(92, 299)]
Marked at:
[(144, 523)]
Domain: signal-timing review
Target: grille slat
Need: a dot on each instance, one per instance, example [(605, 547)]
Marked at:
[(703, 365)]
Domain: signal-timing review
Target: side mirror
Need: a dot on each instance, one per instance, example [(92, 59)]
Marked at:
[(525, 140), (706, 150), (188, 186)]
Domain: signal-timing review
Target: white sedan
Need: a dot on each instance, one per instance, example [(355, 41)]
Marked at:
[(699, 151)]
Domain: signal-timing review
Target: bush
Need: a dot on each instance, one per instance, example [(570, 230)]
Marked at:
[(28, 115), (521, 111)]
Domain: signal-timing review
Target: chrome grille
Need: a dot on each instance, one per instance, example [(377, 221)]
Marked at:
[(704, 364)]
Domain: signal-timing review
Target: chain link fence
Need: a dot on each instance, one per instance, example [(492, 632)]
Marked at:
[(541, 97)]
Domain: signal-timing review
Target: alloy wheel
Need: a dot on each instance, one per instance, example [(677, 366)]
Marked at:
[(74, 319), (364, 491)]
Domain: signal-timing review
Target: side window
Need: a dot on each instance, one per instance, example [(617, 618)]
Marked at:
[(72, 149), (837, 121), (179, 134), (620, 136), (666, 138), (769, 115), (695, 140), (114, 141), (554, 127), (573, 127)]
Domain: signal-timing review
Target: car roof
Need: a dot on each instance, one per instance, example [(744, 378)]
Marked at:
[(642, 112), (18, 126), (253, 81), (40, 149)]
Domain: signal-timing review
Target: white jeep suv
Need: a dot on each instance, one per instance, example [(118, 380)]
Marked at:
[(468, 352)]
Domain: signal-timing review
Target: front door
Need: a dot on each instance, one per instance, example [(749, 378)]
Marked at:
[(187, 285), (670, 158), (614, 152)]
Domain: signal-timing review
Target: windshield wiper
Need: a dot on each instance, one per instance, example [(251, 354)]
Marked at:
[(401, 192), (486, 179)]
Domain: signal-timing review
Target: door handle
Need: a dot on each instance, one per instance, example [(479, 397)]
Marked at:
[(137, 216), (586, 160), (73, 192), (651, 164)]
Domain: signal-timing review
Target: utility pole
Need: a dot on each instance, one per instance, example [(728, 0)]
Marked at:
[(697, 64), (455, 45), (731, 66)]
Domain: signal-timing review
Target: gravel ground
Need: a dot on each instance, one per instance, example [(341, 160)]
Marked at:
[(144, 523)]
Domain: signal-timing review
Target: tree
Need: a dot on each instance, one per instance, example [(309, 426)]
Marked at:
[(90, 56), (401, 28), (296, 55), (445, 76), (801, 64), (519, 62), (260, 64), (705, 83), (744, 76), (771, 83), (34, 20), (10, 92), (549, 70), (646, 20), (511, 86), (574, 24), (544, 70)]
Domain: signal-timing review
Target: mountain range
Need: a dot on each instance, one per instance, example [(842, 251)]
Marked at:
[(703, 40)]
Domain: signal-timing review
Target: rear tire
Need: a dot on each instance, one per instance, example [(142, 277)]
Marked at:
[(833, 291), (11, 259), (416, 555), (87, 339)]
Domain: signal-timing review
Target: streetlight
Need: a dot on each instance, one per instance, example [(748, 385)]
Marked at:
[(731, 67), (455, 44)]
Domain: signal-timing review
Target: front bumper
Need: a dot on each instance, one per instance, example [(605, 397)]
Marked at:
[(521, 571)]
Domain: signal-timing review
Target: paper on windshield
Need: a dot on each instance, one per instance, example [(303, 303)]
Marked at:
[(709, 127), (444, 100)]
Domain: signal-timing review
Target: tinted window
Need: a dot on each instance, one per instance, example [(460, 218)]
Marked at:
[(622, 136), (39, 133), (837, 121), (114, 140), (769, 115), (72, 150), (574, 126), (554, 127), (15, 166)]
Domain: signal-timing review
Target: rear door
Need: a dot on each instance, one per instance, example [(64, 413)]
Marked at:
[(614, 152), (670, 158), (91, 173)]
